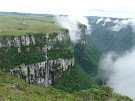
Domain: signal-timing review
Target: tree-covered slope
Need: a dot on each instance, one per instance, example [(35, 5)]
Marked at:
[(83, 74), (109, 40), (87, 56), (75, 79)]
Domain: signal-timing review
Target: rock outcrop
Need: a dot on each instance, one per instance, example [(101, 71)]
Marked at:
[(38, 74), (38, 58)]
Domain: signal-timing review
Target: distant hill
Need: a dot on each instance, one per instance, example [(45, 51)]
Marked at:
[(109, 40), (28, 14)]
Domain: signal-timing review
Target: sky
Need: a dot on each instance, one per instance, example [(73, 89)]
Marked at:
[(107, 8)]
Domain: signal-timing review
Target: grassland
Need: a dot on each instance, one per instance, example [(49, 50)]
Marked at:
[(21, 25), (13, 89)]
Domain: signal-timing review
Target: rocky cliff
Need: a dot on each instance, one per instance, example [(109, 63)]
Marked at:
[(26, 57), (38, 58), (42, 73)]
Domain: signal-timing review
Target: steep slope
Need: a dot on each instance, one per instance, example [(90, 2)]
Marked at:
[(75, 79), (87, 57), (38, 58), (14, 89), (42, 58)]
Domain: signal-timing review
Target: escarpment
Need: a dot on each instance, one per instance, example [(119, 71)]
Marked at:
[(38, 58), (36, 73)]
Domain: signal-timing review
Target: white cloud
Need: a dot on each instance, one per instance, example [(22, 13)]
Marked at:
[(71, 23), (120, 72), (119, 24), (123, 24), (113, 8), (99, 20), (107, 20), (104, 20)]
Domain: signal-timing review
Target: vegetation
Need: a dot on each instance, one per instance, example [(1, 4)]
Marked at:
[(62, 49), (14, 89), (21, 25), (11, 58), (108, 40), (78, 82), (87, 57), (75, 79)]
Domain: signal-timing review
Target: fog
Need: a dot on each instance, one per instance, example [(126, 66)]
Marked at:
[(119, 71), (104, 20), (119, 24), (71, 23), (123, 24)]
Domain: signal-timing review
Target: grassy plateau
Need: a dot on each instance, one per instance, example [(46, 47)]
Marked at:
[(21, 25)]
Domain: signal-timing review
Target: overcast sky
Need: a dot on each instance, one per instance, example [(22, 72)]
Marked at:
[(109, 8)]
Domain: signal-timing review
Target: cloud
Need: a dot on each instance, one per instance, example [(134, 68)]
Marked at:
[(99, 20), (107, 20), (123, 24), (119, 71), (71, 23), (119, 24), (104, 20), (116, 8)]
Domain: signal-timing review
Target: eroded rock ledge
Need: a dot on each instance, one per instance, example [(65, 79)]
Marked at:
[(38, 74)]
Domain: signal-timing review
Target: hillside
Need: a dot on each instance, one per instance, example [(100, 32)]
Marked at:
[(14, 89), (109, 40)]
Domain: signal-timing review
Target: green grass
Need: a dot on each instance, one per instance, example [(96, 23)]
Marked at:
[(21, 25), (27, 92)]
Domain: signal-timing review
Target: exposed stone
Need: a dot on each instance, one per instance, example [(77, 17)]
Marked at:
[(19, 50), (9, 42), (42, 73), (47, 36), (16, 42), (33, 39), (16, 86), (35, 73), (23, 40), (27, 40)]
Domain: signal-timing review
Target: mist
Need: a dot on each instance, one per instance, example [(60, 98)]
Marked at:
[(119, 24), (71, 23), (123, 24), (119, 72), (104, 20)]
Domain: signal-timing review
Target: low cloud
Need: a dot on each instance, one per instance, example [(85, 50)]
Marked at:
[(119, 72), (71, 23), (119, 24), (123, 24), (104, 20), (99, 20), (107, 20)]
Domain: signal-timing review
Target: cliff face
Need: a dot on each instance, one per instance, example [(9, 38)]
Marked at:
[(42, 73), (37, 58)]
